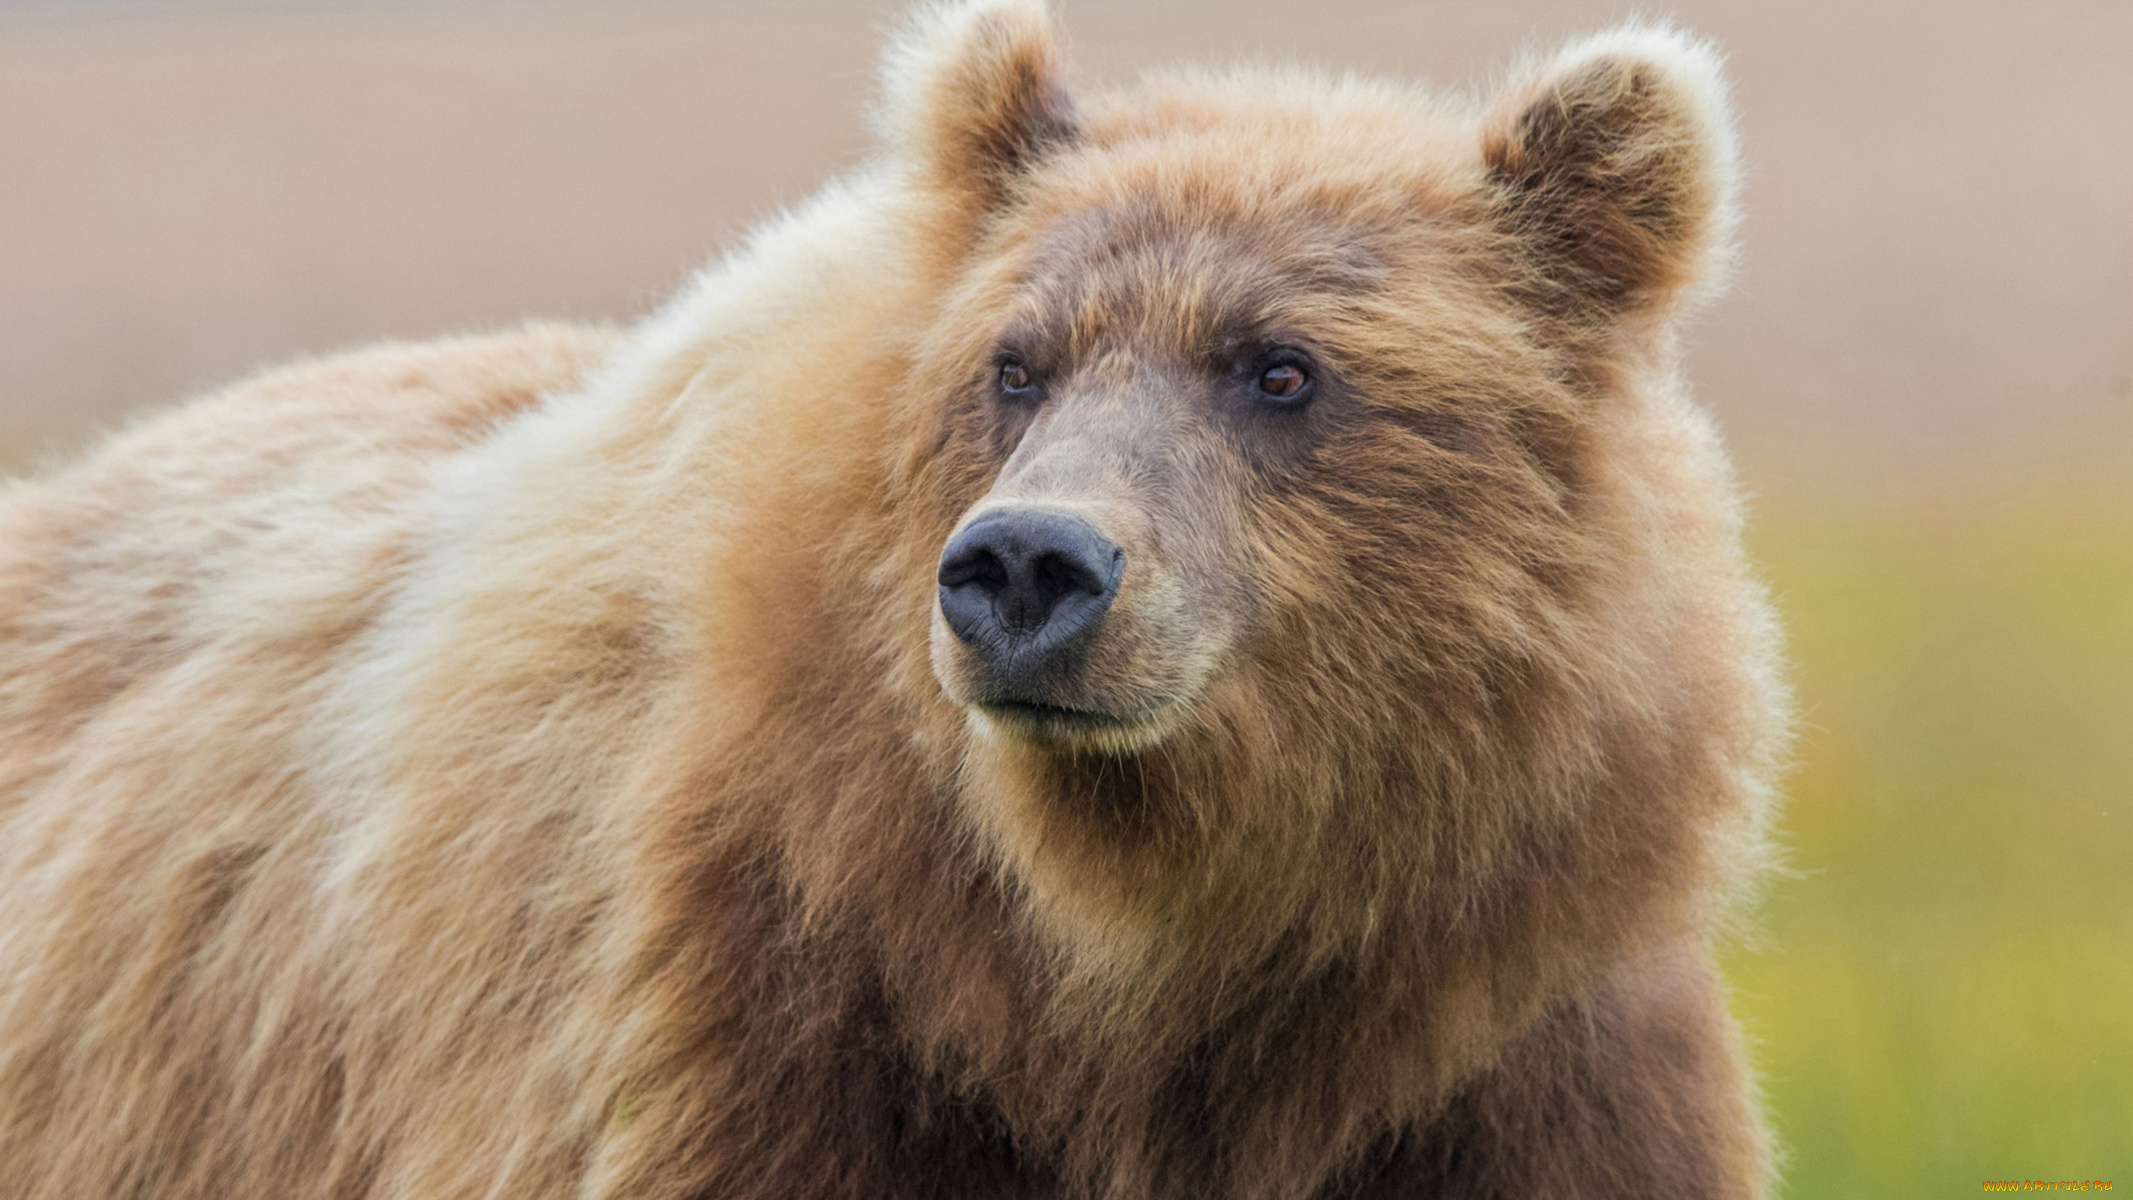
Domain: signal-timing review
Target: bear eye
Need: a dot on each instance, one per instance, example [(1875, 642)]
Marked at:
[(1015, 377), (1284, 381)]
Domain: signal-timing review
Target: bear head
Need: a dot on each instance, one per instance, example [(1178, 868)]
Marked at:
[(1283, 454)]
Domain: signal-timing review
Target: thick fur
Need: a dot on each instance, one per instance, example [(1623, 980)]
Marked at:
[(530, 766)]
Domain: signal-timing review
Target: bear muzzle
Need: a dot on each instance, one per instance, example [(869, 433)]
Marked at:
[(1026, 589)]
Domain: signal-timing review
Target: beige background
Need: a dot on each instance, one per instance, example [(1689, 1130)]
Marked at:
[(1939, 248), (1926, 368)]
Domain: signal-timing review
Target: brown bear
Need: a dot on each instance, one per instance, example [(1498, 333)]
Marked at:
[(1186, 642)]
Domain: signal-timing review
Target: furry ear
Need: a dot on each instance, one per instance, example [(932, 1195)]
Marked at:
[(975, 95), (1613, 167)]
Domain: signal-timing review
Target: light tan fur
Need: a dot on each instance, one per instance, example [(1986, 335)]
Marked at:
[(531, 766)]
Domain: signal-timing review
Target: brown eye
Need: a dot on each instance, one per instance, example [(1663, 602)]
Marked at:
[(1014, 378), (1283, 381)]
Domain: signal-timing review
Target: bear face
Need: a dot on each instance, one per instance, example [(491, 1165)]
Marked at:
[(1233, 368)]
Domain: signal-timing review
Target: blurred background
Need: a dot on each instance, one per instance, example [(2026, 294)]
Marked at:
[(1926, 373)]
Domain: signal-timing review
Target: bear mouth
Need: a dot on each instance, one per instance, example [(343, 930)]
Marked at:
[(1075, 730), (1081, 720)]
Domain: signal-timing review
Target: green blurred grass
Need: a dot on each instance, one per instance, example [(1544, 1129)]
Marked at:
[(1941, 992)]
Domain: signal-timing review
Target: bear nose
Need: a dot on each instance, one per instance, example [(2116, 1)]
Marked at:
[(1025, 587)]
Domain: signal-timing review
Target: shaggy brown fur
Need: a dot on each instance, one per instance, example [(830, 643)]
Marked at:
[(536, 766)]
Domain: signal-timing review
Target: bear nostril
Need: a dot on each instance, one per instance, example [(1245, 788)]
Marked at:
[(976, 564), (1056, 574)]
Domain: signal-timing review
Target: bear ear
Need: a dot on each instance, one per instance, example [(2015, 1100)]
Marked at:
[(975, 96), (1613, 169)]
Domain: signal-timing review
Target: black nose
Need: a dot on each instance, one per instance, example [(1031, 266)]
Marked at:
[(1026, 588)]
